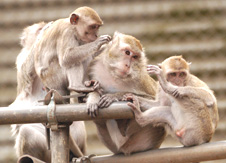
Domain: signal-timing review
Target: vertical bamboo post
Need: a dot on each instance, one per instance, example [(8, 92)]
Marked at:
[(60, 144)]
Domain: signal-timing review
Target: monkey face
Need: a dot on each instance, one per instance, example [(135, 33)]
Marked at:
[(177, 77), (125, 56), (87, 23)]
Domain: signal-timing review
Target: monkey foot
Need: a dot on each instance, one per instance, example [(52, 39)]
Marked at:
[(83, 159), (80, 89)]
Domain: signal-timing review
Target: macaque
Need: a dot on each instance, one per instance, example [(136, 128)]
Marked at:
[(28, 85), (121, 69), (185, 106), (31, 138), (65, 50)]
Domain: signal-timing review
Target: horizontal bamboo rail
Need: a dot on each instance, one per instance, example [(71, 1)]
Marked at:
[(64, 113), (204, 152), (119, 110)]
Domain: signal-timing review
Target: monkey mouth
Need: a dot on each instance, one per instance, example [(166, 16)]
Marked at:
[(122, 74)]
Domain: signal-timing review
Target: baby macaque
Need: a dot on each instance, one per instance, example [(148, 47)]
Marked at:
[(185, 106)]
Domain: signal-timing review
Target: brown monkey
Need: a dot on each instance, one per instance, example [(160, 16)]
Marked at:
[(28, 86), (185, 105), (65, 50), (30, 138), (121, 68)]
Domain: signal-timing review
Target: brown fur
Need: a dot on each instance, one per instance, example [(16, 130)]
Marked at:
[(89, 12), (118, 73), (24, 61), (30, 87), (66, 49), (188, 112)]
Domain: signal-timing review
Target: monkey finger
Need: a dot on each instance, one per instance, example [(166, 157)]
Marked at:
[(87, 83), (108, 103), (102, 100), (96, 111), (96, 85), (104, 103), (129, 98), (176, 93), (92, 111), (105, 98), (133, 107), (105, 38), (153, 66), (151, 71), (88, 111)]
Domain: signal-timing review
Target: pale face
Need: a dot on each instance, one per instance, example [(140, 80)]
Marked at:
[(177, 78), (88, 30)]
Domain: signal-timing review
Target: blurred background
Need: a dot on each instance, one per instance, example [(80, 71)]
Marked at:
[(195, 29)]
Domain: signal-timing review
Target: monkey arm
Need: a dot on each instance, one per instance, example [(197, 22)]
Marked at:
[(92, 103), (99, 51), (195, 92), (71, 53), (75, 55)]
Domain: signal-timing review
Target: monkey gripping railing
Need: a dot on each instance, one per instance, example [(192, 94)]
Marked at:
[(59, 118)]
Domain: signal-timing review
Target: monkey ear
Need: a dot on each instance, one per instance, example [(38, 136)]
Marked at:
[(189, 63), (115, 39), (116, 34), (74, 19)]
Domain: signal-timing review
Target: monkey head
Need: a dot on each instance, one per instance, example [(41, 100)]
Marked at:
[(87, 23), (125, 55), (175, 70)]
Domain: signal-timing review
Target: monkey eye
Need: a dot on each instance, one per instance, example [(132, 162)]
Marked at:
[(127, 52), (182, 74), (135, 56), (173, 74), (94, 26)]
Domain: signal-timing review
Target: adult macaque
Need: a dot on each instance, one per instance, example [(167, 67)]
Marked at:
[(65, 50), (31, 138), (28, 85), (120, 69), (185, 105)]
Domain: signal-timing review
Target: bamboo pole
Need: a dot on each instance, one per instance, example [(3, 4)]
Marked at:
[(60, 145), (204, 152), (64, 113)]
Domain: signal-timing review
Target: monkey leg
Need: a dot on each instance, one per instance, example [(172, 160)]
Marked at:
[(75, 76), (31, 140), (115, 133)]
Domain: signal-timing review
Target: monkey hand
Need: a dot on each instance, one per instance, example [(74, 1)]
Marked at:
[(95, 86), (134, 103), (92, 83), (153, 69), (128, 97), (106, 100), (103, 39), (92, 109)]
